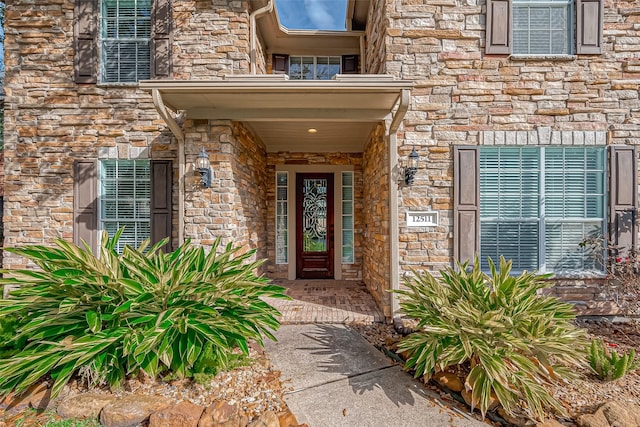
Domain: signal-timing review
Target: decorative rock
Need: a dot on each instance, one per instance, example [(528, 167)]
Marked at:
[(222, 414), (184, 414), (519, 421), (39, 396), (131, 410), (267, 419), (84, 405), (287, 419), (549, 423), (448, 380), (612, 414)]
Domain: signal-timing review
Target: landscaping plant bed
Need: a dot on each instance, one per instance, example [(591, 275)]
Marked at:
[(579, 396)]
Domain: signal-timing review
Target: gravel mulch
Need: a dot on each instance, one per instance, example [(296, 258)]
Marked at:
[(581, 395)]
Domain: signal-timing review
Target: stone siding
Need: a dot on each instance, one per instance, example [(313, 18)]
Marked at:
[(233, 209), (50, 120), (349, 271), (375, 263), (376, 36), (462, 95)]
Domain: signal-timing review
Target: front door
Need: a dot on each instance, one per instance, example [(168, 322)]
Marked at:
[(314, 225)]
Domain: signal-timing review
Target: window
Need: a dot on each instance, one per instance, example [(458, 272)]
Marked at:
[(282, 221), (313, 67), (125, 40), (544, 27), (348, 256), (538, 203), (124, 200)]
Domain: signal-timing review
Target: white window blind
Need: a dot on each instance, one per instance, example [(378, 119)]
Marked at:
[(125, 196), (313, 67), (542, 27), (282, 219), (538, 203), (125, 33), (348, 256)]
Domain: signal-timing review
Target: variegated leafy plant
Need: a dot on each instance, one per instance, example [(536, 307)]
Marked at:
[(143, 310), (514, 340)]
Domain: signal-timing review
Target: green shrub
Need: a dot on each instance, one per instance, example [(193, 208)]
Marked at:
[(110, 316), (609, 365), (513, 339), (8, 343)]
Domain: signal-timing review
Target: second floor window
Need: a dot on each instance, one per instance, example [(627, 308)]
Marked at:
[(125, 30), (544, 27), (541, 28), (313, 67)]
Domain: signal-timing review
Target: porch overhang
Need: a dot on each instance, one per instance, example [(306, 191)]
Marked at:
[(281, 111)]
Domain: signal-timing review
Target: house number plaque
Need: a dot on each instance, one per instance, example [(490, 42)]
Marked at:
[(422, 219)]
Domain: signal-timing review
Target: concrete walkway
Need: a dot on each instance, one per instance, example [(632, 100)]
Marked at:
[(336, 378)]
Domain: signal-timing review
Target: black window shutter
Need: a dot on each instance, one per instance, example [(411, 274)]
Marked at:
[(85, 201), (350, 64), (589, 14), (499, 24), (466, 205), (623, 199), (280, 63), (161, 64), (161, 174), (86, 41)]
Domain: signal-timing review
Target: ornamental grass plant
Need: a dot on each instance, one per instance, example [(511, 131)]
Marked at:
[(512, 339), (115, 315)]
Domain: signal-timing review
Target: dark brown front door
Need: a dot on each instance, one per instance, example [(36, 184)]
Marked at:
[(314, 226)]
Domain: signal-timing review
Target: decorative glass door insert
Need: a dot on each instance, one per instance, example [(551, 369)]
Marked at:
[(314, 225)]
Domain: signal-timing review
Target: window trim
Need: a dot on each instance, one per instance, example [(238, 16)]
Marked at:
[(588, 21), (569, 32), (138, 220), (102, 39), (315, 64), (542, 220)]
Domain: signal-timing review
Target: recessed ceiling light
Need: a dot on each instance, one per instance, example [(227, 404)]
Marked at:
[(312, 130)]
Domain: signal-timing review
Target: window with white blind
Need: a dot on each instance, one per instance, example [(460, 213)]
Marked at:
[(124, 200), (538, 203), (314, 67), (125, 40), (542, 27)]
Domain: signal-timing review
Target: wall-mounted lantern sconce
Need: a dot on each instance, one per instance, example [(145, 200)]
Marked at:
[(203, 166), (412, 167)]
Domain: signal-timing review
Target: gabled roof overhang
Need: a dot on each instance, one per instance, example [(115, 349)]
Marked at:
[(280, 111)]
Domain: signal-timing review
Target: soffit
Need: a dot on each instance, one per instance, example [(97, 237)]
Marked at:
[(343, 111)]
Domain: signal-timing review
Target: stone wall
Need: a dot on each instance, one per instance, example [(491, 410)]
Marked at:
[(460, 93), (51, 121), (376, 254), (349, 271), (376, 36), (233, 209), (210, 39)]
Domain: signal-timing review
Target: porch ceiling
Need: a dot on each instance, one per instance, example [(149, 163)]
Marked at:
[(280, 111)]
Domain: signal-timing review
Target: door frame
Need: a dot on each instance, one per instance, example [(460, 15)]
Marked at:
[(330, 223), (337, 211)]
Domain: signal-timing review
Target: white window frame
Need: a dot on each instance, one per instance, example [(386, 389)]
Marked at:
[(143, 70), (282, 219), (345, 214), (542, 219), (569, 33), (315, 65), (137, 220)]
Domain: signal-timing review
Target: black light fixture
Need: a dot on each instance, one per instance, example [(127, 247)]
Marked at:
[(203, 166), (412, 167)]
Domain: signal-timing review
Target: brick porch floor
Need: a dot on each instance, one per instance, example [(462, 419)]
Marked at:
[(326, 301)]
